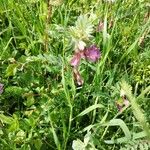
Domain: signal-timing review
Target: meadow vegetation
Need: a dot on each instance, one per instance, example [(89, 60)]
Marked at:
[(74, 75)]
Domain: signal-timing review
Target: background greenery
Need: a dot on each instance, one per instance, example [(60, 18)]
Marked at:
[(41, 106)]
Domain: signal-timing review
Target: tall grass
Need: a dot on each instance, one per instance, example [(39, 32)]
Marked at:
[(42, 107)]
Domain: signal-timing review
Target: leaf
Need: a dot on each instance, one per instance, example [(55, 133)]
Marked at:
[(145, 91), (38, 144), (105, 34), (87, 138), (78, 145), (11, 70), (6, 119), (56, 140), (20, 136), (30, 101), (139, 135), (121, 123), (89, 109), (14, 126)]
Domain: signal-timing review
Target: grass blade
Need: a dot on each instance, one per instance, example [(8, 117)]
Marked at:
[(89, 109)]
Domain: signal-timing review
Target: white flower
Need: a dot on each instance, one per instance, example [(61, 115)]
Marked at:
[(81, 45)]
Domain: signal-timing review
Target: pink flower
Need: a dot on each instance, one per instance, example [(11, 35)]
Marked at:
[(92, 53), (76, 58)]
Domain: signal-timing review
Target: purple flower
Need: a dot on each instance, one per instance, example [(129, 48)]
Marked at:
[(1, 88), (92, 53)]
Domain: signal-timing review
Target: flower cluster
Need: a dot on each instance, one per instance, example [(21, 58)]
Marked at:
[(91, 53)]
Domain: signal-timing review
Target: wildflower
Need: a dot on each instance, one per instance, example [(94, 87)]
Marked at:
[(92, 53), (1, 88), (81, 45), (75, 63), (75, 60)]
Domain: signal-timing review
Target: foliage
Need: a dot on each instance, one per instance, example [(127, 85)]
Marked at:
[(41, 107)]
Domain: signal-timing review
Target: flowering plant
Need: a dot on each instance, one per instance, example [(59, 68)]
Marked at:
[(81, 33), (91, 53)]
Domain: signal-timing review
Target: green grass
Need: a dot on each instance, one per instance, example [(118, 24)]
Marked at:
[(42, 107)]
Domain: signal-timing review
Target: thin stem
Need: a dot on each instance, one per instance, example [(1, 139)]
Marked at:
[(69, 104), (47, 25)]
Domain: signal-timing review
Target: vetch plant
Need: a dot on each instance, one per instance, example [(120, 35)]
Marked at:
[(91, 53), (80, 35), (40, 106), (81, 32)]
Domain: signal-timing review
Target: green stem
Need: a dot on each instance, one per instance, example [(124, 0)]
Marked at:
[(69, 104), (47, 25)]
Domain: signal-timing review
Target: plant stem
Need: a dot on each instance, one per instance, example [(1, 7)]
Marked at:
[(47, 25)]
